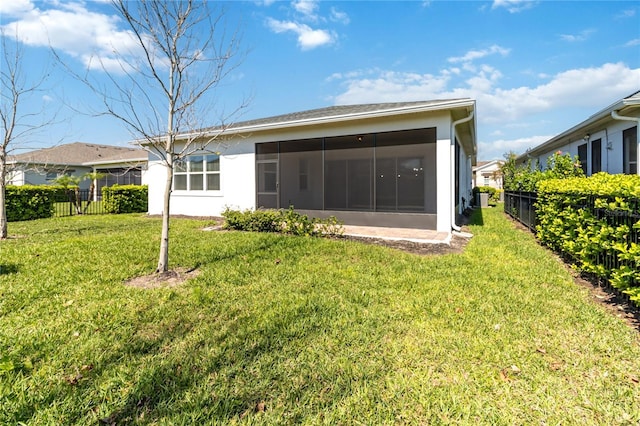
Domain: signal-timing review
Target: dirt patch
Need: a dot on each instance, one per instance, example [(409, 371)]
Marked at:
[(167, 279), (456, 245)]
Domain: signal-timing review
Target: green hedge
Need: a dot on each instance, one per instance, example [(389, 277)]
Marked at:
[(593, 219), (30, 202), (125, 199)]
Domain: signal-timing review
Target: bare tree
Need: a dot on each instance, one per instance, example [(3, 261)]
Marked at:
[(18, 124), (163, 88)]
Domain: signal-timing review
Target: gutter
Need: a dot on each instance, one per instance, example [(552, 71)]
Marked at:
[(453, 168), (617, 116)]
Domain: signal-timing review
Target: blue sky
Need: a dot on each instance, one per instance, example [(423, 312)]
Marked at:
[(536, 68)]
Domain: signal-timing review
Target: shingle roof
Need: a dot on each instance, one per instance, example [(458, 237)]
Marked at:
[(80, 153), (338, 111)]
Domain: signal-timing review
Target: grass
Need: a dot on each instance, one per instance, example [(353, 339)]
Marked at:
[(292, 330)]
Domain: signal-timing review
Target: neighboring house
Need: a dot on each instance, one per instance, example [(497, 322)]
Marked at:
[(392, 164), (42, 167), (488, 173), (607, 141)]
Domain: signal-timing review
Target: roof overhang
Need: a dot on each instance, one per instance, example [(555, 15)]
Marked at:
[(116, 161), (241, 129)]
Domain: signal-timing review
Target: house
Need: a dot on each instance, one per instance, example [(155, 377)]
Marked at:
[(120, 165), (605, 142), (488, 173), (402, 164)]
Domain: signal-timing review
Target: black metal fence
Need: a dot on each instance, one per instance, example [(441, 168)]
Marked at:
[(521, 206), (73, 202)]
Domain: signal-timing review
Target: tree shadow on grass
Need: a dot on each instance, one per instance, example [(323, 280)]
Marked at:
[(170, 389), (8, 268), (473, 217)]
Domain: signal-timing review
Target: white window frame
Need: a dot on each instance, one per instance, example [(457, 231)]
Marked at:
[(190, 169)]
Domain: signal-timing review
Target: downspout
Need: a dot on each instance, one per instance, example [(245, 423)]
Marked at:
[(453, 169), (617, 116)]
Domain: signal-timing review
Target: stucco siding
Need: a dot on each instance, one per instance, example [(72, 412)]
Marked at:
[(238, 164), (611, 149)]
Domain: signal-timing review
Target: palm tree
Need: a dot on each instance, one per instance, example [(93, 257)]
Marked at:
[(71, 187), (94, 176)]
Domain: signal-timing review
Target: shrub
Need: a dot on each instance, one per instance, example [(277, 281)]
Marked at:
[(286, 221), (593, 219), (527, 177), (125, 198), (30, 202), (254, 221)]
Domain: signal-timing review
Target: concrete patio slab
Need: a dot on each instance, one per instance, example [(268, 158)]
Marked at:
[(424, 236)]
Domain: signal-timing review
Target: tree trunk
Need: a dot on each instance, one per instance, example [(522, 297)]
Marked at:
[(3, 205), (90, 198), (163, 259), (78, 200)]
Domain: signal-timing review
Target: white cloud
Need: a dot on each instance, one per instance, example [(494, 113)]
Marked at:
[(582, 36), (308, 11), (338, 16), (15, 7), (89, 36), (632, 43), (496, 149), (390, 86), (593, 87), (307, 8), (478, 54), (629, 13), (308, 38), (514, 6)]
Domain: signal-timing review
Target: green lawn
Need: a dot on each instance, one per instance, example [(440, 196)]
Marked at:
[(293, 330)]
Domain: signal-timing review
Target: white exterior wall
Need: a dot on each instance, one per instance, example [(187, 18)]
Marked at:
[(444, 184), (612, 148), (15, 177), (238, 170), (36, 177), (488, 169), (237, 186)]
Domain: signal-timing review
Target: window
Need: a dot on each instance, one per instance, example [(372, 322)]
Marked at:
[(596, 156), (487, 180), (197, 173), (582, 157), (630, 150)]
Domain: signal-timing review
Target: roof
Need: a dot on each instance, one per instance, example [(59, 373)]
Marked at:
[(590, 125), (487, 164), (80, 154), (340, 113)]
